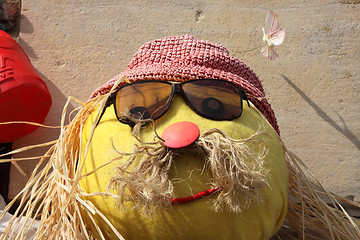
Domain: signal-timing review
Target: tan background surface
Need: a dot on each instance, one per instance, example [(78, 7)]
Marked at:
[(313, 88)]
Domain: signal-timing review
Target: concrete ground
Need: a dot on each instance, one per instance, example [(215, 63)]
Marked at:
[(313, 88)]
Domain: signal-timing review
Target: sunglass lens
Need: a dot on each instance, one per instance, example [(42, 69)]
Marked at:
[(215, 99), (142, 100)]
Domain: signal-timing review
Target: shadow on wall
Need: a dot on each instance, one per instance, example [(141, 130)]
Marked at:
[(343, 130), (58, 98), (58, 103), (27, 27)]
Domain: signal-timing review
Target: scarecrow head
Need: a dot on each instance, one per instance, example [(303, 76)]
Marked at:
[(186, 147)]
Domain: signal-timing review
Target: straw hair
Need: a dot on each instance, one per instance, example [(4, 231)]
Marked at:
[(53, 195), (237, 169)]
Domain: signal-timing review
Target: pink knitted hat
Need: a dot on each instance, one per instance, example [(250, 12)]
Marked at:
[(184, 58)]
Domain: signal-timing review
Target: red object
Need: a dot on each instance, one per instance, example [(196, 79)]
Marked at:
[(180, 134), (196, 196), (23, 94)]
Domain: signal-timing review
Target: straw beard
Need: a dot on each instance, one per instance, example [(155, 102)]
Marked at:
[(236, 167)]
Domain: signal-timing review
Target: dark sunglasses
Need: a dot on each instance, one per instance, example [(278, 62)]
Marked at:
[(210, 98)]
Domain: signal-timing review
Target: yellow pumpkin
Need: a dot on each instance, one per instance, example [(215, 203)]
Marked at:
[(191, 220)]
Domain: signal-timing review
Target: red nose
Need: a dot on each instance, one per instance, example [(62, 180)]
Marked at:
[(180, 134)]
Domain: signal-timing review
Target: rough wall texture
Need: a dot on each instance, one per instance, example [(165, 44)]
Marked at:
[(313, 88)]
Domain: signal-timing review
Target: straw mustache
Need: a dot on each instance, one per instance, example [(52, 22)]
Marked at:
[(236, 166)]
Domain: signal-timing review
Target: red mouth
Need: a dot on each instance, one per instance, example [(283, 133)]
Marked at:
[(196, 196)]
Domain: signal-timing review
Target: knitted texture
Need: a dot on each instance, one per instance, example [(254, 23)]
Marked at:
[(183, 58)]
